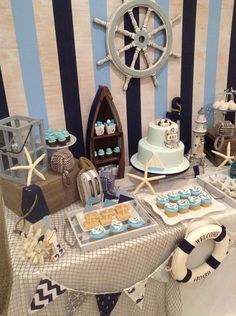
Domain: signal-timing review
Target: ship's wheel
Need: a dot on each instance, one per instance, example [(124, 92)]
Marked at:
[(142, 40)]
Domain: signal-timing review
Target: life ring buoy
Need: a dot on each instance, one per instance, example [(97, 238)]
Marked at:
[(179, 270)]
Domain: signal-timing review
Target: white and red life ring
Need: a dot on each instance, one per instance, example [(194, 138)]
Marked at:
[(179, 270)]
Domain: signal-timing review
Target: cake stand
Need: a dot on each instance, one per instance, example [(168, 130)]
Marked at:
[(72, 141), (165, 171)]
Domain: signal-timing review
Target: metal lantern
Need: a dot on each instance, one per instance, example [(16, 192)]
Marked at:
[(17, 132)]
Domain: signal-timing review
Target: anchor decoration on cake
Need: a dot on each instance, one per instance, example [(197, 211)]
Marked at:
[(162, 149)]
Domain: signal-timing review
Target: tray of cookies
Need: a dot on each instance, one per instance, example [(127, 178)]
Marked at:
[(187, 203), (221, 185), (106, 226)]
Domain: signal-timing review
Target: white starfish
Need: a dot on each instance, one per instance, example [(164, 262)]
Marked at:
[(31, 167), (145, 180), (227, 157)]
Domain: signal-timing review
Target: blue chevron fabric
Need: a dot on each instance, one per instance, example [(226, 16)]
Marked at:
[(47, 291)]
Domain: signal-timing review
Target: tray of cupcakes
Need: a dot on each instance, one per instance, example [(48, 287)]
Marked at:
[(106, 226), (184, 204)]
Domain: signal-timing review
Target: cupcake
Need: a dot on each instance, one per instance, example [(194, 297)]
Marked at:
[(101, 154), (116, 151), (185, 193), (194, 203), (66, 135), (183, 205), (110, 126), (135, 222), (173, 197), (98, 232), (61, 140), (52, 142), (116, 227), (171, 209), (108, 152), (206, 199), (161, 200), (196, 190)]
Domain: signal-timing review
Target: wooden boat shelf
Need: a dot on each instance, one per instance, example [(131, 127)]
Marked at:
[(103, 108)]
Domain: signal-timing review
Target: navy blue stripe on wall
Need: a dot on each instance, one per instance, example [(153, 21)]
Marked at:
[(187, 69), (3, 100), (68, 72), (231, 80), (133, 97)]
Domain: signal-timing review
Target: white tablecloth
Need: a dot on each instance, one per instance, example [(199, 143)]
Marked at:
[(215, 296)]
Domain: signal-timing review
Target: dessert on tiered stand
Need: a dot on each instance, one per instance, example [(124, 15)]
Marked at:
[(162, 148)]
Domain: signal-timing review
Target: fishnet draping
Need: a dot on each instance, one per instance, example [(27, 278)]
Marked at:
[(109, 269)]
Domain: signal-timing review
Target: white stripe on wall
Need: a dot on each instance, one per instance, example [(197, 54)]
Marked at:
[(49, 63), (200, 55), (224, 45), (174, 64), (147, 89), (10, 64), (117, 81), (84, 57)]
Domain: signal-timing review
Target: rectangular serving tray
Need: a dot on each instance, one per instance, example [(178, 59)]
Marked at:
[(88, 244), (202, 211), (204, 181)]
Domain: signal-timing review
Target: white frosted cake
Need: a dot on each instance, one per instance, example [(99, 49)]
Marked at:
[(162, 148)]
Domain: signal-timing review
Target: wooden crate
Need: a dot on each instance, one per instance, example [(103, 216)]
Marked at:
[(209, 145), (57, 195)]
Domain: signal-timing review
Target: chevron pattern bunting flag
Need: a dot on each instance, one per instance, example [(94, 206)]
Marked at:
[(47, 291)]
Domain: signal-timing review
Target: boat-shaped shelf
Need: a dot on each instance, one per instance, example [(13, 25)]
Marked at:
[(103, 108)]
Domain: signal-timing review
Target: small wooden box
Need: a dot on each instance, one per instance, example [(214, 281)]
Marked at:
[(57, 195), (209, 146)]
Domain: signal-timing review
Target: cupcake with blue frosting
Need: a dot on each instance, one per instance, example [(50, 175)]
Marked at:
[(116, 151), (173, 197), (52, 142), (196, 190), (194, 203), (161, 200), (108, 152), (185, 193), (206, 199), (171, 209), (98, 232), (135, 222), (101, 154), (183, 205), (116, 227)]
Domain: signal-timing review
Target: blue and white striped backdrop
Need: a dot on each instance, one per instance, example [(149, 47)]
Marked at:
[(49, 49)]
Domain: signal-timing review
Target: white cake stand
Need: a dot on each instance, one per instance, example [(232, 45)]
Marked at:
[(166, 171), (72, 141)]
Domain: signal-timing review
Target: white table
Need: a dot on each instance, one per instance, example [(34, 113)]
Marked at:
[(213, 297)]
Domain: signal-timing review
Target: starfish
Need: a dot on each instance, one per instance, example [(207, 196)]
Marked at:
[(31, 167), (227, 157), (145, 180)]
